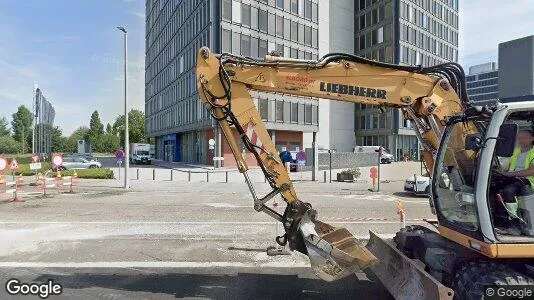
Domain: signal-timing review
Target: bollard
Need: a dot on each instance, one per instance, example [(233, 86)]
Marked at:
[(188, 176), (324, 174), (207, 176), (153, 174), (171, 174), (226, 176), (137, 174)]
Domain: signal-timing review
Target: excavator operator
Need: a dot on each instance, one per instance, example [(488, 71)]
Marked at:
[(519, 179)]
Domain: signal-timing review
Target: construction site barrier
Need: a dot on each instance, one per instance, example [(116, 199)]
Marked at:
[(12, 188), (47, 183)]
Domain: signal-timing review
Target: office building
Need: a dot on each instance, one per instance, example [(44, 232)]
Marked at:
[(415, 32), (175, 30), (483, 84), (516, 70)]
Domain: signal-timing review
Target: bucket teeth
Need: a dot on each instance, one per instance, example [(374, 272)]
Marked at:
[(334, 252)]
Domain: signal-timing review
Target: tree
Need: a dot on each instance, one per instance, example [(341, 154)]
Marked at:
[(96, 128), (22, 124), (3, 126), (109, 143), (136, 126), (9, 145), (109, 129), (61, 143)]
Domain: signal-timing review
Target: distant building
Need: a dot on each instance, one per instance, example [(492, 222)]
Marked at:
[(516, 69), (423, 32), (175, 31), (483, 83)]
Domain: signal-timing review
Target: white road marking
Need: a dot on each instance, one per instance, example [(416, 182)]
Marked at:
[(146, 264), (189, 222)]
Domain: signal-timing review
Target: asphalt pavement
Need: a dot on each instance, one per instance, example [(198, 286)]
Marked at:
[(179, 239)]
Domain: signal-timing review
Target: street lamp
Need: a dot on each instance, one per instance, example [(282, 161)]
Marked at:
[(126, 133)]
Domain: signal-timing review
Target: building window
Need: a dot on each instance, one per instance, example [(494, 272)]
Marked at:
[(295, 7), (294, 31), (262, 20), (227, 10), (263, 105), (308, 114), (280, 4), (280, 49), (236, 42), (245, 14), (262, 48), (279, 111), (271, 23), (226, 41), (314, 12), (307, 9), (236, 12), (294, 112), (279, 26), (245, 45), (254, 47), (308, 35)]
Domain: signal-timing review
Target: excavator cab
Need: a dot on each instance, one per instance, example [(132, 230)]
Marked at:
[(467, 180)]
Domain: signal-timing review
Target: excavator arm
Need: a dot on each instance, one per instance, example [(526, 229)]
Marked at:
[(425, 95)]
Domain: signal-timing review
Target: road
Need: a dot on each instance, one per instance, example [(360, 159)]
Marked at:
[(178, 239)]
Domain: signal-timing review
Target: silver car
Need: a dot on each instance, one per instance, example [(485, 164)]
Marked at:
[(78, 162)]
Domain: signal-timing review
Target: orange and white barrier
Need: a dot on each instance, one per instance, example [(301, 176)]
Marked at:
[(401, 213), (59, 181), (12, 188), (46, 183)]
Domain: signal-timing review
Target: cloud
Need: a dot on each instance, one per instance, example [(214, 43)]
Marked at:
[(138, 14), (481, 30)]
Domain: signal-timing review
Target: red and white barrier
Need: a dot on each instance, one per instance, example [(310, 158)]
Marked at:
[(12, 188)]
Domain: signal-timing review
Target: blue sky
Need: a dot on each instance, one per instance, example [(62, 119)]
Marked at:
[(73, 51)]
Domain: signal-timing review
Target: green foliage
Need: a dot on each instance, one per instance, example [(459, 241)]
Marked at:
[(108, 143), (9, 145), (96, 128), (61, 143), (136, 126), (22, 127), (24, 169), (101, 173), (109, 129), (3, 127), (354, 172)]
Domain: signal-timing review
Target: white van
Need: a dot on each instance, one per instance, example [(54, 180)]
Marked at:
[(386, 157)]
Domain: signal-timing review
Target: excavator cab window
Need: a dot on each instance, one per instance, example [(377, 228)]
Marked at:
[(455, 188)]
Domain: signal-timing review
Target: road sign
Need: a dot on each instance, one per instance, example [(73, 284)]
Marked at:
[(218, 158), (57, 160), (35, 166), (211, 142), (35, 158), (373, 173), (14, 165), (3, 164), (119, 154)]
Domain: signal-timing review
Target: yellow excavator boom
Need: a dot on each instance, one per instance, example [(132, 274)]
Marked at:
[(425, 95)]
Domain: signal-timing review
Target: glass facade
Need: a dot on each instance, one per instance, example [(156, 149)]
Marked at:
[(175, 30), (483, 88), (407, 32)]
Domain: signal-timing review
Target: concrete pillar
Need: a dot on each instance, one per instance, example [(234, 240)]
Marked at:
[(315, 164), (273, 136), (218, 146)]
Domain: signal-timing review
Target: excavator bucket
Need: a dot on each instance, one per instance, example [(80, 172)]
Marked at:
[(402, 276), (333, 252)]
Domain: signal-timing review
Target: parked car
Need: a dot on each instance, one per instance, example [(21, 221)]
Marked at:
[(88, 157), (386, 158), (78, 162), (419, 185)]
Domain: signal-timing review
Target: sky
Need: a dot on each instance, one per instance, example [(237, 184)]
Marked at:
[(73, 51)]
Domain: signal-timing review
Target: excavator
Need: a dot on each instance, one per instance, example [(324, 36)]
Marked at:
[(464, 146)]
